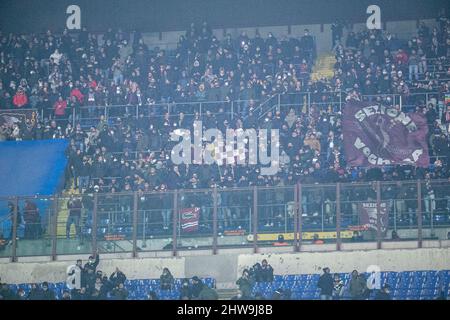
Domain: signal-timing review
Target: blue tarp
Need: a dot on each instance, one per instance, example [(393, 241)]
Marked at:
[(30, 168)]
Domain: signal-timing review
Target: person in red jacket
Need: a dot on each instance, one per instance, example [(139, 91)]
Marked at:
[(75, 92), (401, 56), (60, 109), (20, 99)]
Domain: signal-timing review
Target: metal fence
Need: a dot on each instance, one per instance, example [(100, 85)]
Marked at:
[(227, 218)]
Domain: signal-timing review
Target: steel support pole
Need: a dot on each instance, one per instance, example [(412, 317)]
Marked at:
[(255, 220), (378, 215), (94, 224), (14, 230), (419, 214), (215, 220), (135, 223), (174, 224), (338, 216), (54, 226)]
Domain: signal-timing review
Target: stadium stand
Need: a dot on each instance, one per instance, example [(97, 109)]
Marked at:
[(100, 111), (408, 285)]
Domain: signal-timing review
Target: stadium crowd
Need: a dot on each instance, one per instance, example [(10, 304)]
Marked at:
[(93, 284), (56, 74), (88, 283)]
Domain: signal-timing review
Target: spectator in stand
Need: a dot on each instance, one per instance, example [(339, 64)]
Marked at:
[(325, 284), (384, 293), (413, 62), (60, 107), (47, 293), (66, 295), (245, 284), (117, 277), (185, 290), (6, 293), (119, 292), (317, 240), (74, 205), (92, 263), (280, 242), (338, 287), (21, 295), (32, 220), (166, 280), (208, 293), (266, 272), (394, 235), (20, 99), (196, 288), (357, 286)]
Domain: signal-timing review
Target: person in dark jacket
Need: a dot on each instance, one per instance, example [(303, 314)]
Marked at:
[(166, 280), (245, 284), (266, 272), (326, 285), (357, 286), (196, 288), (185, 290), (47, 293), (6, 293), (208, 293), (21, 295), (92, 264), (117, 277), (32, 220), (80, 294), (35, 292), (384, 293), (120, 293), (74, 205)]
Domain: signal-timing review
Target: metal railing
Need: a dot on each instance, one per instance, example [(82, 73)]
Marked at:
[(91, 115), (212, 219)]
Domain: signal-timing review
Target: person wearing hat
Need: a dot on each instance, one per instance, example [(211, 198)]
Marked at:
[(325, 284)]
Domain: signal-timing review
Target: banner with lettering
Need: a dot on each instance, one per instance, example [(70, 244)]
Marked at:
[(375, 135), (368, 216), (189, 219)]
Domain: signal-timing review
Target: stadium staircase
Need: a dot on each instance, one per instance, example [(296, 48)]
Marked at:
[(226, 294), (324, 67)]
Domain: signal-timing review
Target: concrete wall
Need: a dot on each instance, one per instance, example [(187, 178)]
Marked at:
[(387, 260), (56, 271), (228, 264)]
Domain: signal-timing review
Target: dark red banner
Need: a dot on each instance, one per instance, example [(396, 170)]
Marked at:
[(376, 135), (189, 219)]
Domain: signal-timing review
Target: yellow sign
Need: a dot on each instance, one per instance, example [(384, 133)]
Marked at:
[(305, 235)]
